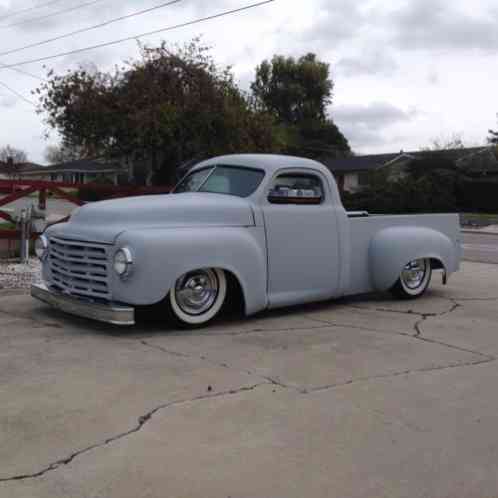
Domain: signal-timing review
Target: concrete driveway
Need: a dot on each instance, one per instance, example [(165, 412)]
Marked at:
[(365, 397)]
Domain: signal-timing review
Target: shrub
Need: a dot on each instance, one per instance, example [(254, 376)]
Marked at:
[(432, 193), (478, 196), (89, 194)]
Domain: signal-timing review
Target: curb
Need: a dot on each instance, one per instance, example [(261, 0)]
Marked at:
[(478, 232)]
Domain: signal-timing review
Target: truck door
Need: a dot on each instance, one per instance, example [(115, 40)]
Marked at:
[(302, 239)]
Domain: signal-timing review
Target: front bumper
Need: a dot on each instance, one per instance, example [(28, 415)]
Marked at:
[(108, 313)]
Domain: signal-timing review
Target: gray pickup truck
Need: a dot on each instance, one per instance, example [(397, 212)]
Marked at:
[(268, 230)]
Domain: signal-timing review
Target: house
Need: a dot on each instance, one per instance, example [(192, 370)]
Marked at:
[(79, 171), (353, 173), (10, 171)]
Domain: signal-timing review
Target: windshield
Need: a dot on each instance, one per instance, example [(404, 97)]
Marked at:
[(229, 180)]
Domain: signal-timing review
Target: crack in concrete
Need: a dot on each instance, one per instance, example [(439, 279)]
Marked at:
[(270, 380), (357, 327), (476, 299), (261, 330), (455, 305), (418, 332), (416, 326), (398, 374), (387, 310), (243, 332), (457, 348), (142, 420)]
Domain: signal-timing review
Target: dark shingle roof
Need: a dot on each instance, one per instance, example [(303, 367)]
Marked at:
[(21, 167), (375, 161), (78, 166), (359, 163)]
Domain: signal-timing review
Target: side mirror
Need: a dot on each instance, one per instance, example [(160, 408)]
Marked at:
[(294, 196)]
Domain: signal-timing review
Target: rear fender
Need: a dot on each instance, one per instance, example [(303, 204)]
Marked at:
[(392, 248)]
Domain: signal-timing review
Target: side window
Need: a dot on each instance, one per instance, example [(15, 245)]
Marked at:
[(296, 189)]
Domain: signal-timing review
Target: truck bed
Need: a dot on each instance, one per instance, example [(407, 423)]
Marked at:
[(363, 228)]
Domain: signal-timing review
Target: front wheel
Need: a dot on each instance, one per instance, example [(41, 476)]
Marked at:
[(413, 280), (198, 296)]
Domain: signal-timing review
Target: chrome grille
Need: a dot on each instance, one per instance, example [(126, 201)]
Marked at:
[(79, 268)]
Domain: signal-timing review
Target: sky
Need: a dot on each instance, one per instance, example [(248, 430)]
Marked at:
[(405, 72)]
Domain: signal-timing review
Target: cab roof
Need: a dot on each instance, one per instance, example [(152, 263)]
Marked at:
[(267, 162)]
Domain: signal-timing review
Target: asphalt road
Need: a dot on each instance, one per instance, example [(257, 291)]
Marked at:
[(481, 247)]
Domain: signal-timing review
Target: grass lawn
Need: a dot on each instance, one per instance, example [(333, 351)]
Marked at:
[(481, 219)]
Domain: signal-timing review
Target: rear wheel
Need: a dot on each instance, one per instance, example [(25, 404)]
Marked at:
[(198, 296), (413, 280)]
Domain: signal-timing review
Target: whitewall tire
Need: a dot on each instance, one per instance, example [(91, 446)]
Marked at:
[(413, 280), (198, 296)]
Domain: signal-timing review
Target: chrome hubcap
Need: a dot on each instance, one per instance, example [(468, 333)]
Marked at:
[(196, 292), (414, 273)]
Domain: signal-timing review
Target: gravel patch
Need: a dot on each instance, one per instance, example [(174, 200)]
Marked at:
[(19, 276)]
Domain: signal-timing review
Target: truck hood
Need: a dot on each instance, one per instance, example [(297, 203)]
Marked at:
[(104, 221)]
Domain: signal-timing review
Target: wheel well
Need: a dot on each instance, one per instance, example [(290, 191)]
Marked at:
[(235, 296), (437, 264)]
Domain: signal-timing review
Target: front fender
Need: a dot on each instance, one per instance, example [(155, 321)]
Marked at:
[(392, 248), (161, 256)]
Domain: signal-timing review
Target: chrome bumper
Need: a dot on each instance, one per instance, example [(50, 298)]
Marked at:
[(111, 313)]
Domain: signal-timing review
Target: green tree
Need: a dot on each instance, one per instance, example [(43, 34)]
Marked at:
[(157, 112), (298, 92)]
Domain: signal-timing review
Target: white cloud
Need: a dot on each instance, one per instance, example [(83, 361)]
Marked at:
[(367, 62), (7, 101), (377, 114), (371, 124)]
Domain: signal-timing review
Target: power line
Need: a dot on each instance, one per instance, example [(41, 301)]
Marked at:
[(17, 94), (29, 9), (131, 38), (53, 14), (90, 28), (21, 71)]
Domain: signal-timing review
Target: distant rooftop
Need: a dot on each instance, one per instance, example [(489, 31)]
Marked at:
[(78, 166), (375, 161), (20, 167)]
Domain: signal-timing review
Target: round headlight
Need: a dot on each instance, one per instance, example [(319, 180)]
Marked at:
[(123, 262), (41, 247)]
